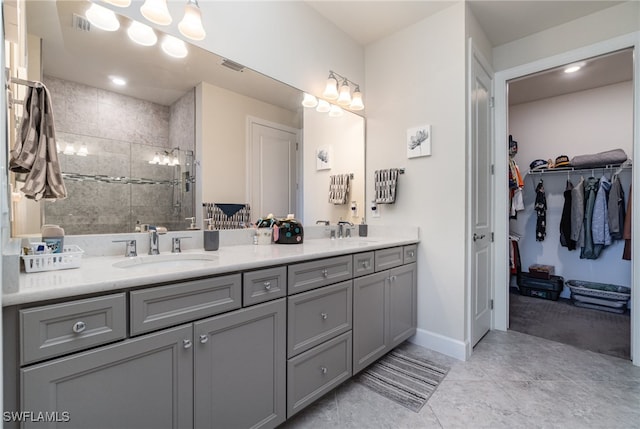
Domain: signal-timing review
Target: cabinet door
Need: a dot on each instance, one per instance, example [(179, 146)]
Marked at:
[(402, 303), (142, 383), (240, 366), (370, 314)]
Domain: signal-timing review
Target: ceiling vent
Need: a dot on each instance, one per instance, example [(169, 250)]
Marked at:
[(81, 23), (232, 65)]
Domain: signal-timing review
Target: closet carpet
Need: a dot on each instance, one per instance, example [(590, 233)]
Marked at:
[(561, 321)]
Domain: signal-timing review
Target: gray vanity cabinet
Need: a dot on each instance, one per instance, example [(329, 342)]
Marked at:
[(240, 368), (145, 382), (384, 313)]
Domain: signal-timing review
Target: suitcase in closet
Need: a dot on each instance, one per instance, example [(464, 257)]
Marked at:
[(540, 288)]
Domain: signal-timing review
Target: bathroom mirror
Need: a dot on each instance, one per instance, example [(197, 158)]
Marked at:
[(193, 114)]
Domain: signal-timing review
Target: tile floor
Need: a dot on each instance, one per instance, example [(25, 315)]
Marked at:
[(512, 380)]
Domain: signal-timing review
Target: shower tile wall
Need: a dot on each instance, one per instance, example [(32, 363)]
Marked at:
[(122, 134)]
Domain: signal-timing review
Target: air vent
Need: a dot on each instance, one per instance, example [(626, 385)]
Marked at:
[(232, 65), (81, 23)]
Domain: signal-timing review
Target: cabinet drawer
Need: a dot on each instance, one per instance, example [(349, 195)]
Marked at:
[(363, 264), (163, 306), (317, 371), (264, 285), (388, 258), (58, 329), (410, 253), (310, 275), (318, 315)]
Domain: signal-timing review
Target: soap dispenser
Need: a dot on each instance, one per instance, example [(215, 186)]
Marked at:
[(362, 229), (211, 237)]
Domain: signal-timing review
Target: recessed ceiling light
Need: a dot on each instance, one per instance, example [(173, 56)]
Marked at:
[(118, 81), (573, 68)]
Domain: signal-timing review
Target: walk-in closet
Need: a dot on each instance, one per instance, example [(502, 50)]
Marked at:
[(570, 176)]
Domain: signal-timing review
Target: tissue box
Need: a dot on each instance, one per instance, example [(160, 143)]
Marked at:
[(540, 271)]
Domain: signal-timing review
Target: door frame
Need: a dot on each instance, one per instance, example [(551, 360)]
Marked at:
[(254, 120), (500, 191), (474, 53)]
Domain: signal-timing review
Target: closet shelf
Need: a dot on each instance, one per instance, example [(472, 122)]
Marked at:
[(569, 170)]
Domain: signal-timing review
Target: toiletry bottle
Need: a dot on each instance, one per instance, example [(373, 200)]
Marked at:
[(362, 229), (53, 235), (211, 237)]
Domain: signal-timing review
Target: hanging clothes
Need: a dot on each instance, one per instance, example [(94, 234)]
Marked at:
[(565, 219), (626, 234), (577, 213), (590, 250), (600, 218), (616, 209), (516, 183), (541, 211)]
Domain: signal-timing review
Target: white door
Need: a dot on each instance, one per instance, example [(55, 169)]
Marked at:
[(481, 206), (272, 170)]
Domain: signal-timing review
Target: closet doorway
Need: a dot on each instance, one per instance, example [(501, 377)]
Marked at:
[(555, 114)]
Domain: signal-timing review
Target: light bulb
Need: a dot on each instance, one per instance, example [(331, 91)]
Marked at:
[(142, 34), (331, 90), (119, 3), (156, 11), (156, 159), (102, 18), (356, 100), (175, 161), (309, 101), (191, 24), (174, 47), (166, 160), (335, 111), (69, 149), (323, 106), (83, 151), (344, 98)]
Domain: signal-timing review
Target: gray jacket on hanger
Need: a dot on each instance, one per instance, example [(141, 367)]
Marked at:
[(577, 213)]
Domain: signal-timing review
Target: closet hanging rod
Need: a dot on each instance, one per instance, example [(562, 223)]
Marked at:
[(25, 82), (573, 169)]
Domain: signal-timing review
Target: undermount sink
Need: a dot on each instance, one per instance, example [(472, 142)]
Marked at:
[(178, 260)]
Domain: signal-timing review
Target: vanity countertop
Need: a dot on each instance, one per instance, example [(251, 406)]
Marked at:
[(98, 274)]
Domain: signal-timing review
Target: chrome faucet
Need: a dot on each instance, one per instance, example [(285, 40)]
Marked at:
[(131, 247), (154, 242), (341, 225)]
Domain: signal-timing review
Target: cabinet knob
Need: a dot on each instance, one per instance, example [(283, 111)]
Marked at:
[(204, 338), (412, 254), (324, 316), (267, 285), (392, 278), (323, 369), (79, 326), (365, 264), (325, 273), (186, 344)]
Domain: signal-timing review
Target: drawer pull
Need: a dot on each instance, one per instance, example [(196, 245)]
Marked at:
[(323, 369), (325, 273), (79, 326), (412, 254), (365, 264), (267, 285), (204, 339), (324, 316), (186, 344)]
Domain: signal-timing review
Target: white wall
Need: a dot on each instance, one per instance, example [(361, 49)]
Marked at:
[(345, 136), (574, 124), (415, 77), (606, 24), (223, 128)]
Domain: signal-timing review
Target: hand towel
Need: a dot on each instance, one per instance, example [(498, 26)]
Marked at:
[(338, 188), (240, 218), (35, 149), (385, 185)]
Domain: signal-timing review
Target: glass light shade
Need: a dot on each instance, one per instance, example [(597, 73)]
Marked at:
[(156, 11), (156, 159), (356, 100), (191, 24), (119, 3), (309, 101), (142, 34), (335, 111), (69, 149), (175, 160), (102, 18), (344, 98), (331, 90), (174, 47), (323, 106), (83, 151), (166, 160)]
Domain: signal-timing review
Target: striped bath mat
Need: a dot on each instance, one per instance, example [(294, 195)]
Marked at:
[(405, 379)]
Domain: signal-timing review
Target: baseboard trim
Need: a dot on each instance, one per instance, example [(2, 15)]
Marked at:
[(441, 344)]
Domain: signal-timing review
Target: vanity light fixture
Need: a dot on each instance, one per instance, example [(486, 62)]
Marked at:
[(69, 149), (356, 99), (156, 159), (175, 160), (191, 24), (323, 106), (344, 99), (174, 47), (142, 34), (331, 89), (102, 18), (343, 95), (119, 3), (83, 151), (335, 111), (156, 11), (309, 100)]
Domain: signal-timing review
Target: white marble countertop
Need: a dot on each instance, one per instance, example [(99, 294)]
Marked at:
[(98, 274)]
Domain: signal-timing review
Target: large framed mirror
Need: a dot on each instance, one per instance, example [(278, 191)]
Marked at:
[(178, 138)]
